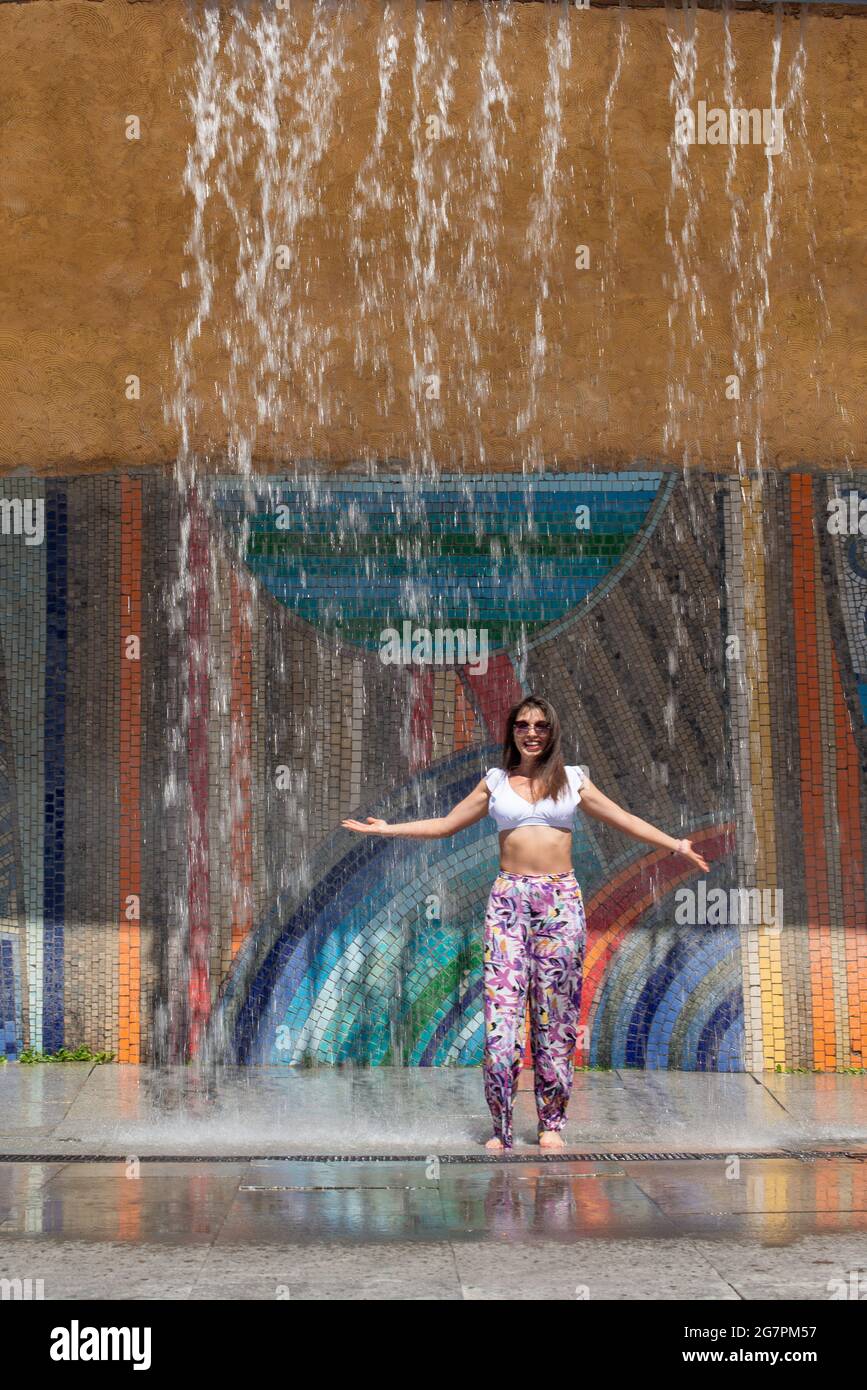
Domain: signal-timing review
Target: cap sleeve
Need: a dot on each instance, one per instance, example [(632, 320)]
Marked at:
[(492, 777), (577, 777)]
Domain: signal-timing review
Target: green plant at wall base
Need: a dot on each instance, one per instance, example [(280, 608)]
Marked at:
[(819, 1071), (64, 1054)]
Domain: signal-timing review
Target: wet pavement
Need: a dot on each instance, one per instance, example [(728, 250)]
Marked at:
[(213, 1222), (665, 1229)]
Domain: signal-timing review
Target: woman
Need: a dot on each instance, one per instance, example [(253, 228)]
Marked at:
[(534, 924)]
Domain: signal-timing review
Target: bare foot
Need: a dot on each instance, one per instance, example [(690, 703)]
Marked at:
[(494, 1143), (551, 1139)]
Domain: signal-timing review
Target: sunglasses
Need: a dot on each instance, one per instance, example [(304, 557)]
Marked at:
[(524, 725)]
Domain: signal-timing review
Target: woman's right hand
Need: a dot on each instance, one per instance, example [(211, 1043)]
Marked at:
[(374, 826)]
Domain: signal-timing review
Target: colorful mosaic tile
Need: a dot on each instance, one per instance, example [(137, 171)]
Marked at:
[(191, 701)]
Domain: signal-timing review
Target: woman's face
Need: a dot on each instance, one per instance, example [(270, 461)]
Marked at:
[(531, 732)]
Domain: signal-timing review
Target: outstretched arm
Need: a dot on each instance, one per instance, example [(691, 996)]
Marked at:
[(467, 812), (601, 807)]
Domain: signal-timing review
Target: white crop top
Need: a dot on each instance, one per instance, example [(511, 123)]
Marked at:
[(510, 810)]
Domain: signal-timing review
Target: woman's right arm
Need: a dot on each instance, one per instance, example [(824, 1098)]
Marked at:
[(473, 808)]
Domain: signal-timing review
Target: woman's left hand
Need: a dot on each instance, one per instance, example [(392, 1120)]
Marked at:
[(374, 826), (687, 852)]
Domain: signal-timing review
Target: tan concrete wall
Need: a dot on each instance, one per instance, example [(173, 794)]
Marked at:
[(93, 229)]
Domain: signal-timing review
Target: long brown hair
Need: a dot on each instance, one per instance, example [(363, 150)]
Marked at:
[(550, 778)]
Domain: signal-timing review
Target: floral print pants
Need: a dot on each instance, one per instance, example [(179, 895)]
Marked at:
[(535, 933)]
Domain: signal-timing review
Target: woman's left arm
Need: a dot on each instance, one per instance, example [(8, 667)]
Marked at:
[(601, 807)]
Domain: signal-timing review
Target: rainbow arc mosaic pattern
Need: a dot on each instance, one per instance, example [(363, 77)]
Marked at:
[(184, 723)]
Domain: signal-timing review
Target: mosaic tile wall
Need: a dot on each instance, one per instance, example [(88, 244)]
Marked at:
[(192, 698)]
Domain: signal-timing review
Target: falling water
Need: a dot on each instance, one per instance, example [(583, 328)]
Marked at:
[(609, 251), (206, 108), (797, 139), (303, 339), (254, 55), (268, 105), (687, 307), (543, 238), (206, 115), (544, 230), (374, 256), (750, 254), (740, 283), (276, 350), (742, 272), (765, 250), (481, 188), (433, 70)]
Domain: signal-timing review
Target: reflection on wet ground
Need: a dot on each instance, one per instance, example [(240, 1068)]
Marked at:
[(765, 1228)]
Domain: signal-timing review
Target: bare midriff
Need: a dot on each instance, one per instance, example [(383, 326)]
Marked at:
[(536, 849)]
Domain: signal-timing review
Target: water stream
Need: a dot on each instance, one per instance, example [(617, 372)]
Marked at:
[(271, 96)]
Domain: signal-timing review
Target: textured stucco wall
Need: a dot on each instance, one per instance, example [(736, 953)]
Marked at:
[(94, 228)]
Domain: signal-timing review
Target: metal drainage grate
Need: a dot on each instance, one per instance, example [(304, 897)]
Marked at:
[(561, 1156)]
